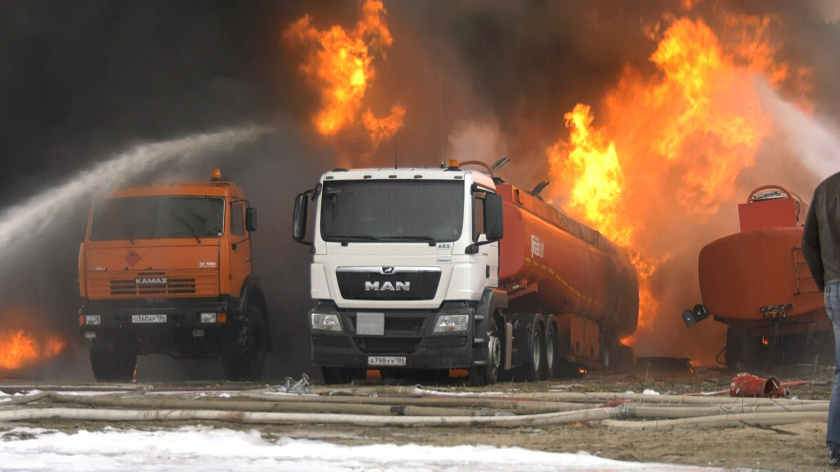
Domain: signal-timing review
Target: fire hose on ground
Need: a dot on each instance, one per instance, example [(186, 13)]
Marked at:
[(266, 407)]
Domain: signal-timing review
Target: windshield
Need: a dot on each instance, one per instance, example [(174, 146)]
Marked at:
[(157, 217), (430, 211)]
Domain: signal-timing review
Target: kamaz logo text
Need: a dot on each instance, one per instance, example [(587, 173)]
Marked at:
[(151, 280), (387, 286)]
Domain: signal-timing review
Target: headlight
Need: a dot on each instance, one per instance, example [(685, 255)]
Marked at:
[(452, 323), (326, 322), (92, 319)]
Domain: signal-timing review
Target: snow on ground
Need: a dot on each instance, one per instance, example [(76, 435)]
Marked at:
[(214, 449)]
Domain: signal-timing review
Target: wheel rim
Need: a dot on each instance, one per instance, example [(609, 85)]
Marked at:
[(494, 353), (549, 352), (537, 349)]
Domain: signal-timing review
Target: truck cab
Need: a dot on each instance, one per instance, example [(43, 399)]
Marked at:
[(168, 269), (453, 269)]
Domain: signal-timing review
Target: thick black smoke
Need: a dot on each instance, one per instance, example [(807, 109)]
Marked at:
[(81, 81)]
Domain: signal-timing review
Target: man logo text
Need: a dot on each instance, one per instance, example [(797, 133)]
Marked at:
[(387, 286)]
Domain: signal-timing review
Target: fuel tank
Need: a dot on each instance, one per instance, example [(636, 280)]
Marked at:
[(567, 266), (759, 274)]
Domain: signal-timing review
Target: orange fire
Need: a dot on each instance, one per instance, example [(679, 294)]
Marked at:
[(672, 145), (20, 348), (340, 65)]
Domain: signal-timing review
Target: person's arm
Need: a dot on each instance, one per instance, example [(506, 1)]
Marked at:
[(811, 246)]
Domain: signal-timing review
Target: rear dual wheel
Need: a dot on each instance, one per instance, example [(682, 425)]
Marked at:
[(531, 370)]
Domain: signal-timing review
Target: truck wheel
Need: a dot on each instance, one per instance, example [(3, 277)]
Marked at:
[(337, 375), (552, 353), (112, 361), (534, 360), (488, 374), (244, 351)]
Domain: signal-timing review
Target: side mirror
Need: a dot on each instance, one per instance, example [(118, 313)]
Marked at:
[(299, 218), (494, 226), (251, 219)]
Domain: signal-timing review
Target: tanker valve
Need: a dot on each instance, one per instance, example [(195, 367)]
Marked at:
[(695, 315), (775, 311)]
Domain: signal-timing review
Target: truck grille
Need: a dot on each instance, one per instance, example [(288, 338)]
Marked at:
[(171, 287), (153, 284), (403, 332), (398, 284)]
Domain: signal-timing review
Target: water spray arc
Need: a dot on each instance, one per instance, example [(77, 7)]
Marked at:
[(47, 208)]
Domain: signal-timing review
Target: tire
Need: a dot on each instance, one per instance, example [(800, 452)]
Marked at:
[(488, 374), (336, 375), (245, 347), (530, 370), (552, 353), (112, 361)]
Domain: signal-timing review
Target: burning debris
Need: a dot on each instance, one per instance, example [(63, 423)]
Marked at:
[(20, 349)]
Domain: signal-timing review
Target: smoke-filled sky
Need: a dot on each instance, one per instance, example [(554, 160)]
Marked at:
[(82, 82)]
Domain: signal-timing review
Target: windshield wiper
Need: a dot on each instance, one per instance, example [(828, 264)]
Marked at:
[(427, 239), (355, 238), (192, 230)]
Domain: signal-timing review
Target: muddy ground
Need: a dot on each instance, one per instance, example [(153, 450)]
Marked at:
[(798, 446)]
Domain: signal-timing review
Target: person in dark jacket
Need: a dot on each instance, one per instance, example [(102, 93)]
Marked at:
[(821, 248)]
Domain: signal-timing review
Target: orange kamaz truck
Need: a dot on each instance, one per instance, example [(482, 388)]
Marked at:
[(168, 269)]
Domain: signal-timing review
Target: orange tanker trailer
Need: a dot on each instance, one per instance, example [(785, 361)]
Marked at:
[(756, 282), (551, 263)]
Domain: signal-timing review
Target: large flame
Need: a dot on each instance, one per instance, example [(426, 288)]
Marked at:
[(20, 348), (671, 145), (340, 64)]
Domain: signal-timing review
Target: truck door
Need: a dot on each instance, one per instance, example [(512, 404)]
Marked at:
[(240, 254), (488, 254)]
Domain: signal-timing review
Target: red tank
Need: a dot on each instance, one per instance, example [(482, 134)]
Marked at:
[(750, 278), (567, 266)]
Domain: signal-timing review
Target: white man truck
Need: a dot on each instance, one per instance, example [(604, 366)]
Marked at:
[(450, 268)]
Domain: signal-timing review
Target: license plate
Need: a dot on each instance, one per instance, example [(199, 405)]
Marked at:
[(370, 324), (386, 360), (148, 318)]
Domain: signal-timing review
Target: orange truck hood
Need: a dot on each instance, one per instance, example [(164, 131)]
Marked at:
[(179, 269), (140, 257)]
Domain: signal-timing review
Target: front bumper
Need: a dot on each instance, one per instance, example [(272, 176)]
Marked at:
[(182, 334), (407, 334)]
